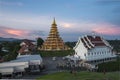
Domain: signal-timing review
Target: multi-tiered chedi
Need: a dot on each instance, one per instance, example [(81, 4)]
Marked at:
[(54, 42)]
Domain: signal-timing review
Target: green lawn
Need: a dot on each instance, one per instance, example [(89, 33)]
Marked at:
[(81, 76)]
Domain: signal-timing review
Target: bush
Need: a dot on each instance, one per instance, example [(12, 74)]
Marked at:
[(109, 66), (0, 76), (55, 53), (12, 55)]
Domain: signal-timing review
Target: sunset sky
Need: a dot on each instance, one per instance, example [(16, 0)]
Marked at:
[(33, 18)]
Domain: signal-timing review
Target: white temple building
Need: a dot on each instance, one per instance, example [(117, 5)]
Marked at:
[(93, 48)]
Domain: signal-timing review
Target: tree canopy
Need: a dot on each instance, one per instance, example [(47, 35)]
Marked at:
[(39, 42)]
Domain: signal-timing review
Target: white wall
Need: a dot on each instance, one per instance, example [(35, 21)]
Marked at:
[(6, 71), (13, 64), (22, 43), (99, 53), (80, 50)]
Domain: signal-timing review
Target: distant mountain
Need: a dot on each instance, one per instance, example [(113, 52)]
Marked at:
[(28, 40), (8, 39), (11, 39)]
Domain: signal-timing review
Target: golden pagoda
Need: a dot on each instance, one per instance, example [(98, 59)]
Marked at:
[(54, 42)]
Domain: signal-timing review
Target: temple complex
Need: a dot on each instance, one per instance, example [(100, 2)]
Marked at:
[(54, 42), (94, 48)]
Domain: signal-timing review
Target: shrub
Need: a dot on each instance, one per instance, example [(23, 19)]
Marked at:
[(55, 53), (109, 66)]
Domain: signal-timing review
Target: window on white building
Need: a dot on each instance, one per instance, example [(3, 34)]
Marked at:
[(84, 54), (91, 53), (106, 51), (102, 52), (88, 53), (95, 53)]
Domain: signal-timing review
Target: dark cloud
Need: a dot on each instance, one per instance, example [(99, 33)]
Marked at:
[(117, 10), (36, 33), (114, 3), (108, 2), (111, 37), (112, 9), (115, 21), (11, 3), (75, 36)]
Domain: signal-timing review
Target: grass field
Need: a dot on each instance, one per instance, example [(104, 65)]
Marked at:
[(81, 76)]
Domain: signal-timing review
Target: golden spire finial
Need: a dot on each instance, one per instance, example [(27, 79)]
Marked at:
[(54, 22)]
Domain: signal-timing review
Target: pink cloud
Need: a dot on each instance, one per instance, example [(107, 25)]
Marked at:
[(67, 25), (87, 27), (16, 32), (107, 30), (19, 33), (10, 32)]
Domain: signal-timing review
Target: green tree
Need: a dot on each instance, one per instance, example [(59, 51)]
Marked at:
[(115, 45), (13, 48), (0, 48), (70, 44), (39, 42)]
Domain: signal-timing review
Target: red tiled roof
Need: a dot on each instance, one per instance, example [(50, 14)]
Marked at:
[(29, 45), (22, 49), (95, 40), (28, 42), (99, 44)]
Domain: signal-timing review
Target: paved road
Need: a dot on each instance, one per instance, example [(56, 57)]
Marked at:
[(50, 65)]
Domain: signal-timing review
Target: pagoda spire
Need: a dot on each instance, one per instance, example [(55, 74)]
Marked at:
[(54, 22)]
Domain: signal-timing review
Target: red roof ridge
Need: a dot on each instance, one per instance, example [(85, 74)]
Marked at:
[(90, 41)]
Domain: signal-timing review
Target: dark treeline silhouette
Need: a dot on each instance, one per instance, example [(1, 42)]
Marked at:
[(115, 44)]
